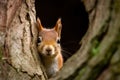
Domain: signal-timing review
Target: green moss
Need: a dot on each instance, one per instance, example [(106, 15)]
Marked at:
[(80, 74), (88, 73), (94, 51), (117, 6), (95, 47)]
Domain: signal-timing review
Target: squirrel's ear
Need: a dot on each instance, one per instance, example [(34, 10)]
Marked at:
[(58, 27), (39, 24)]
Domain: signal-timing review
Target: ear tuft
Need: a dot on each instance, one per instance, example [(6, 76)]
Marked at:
[(39, 24), (58, 27)]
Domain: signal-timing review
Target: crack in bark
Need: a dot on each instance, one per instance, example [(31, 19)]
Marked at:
[(105, 26), (22, 40), (20, 19), (104, 29), (94, 7)]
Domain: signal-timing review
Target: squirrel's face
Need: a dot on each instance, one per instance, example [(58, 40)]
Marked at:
[(49, 39), (48, 42)]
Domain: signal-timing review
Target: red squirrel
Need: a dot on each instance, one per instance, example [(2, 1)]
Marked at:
[(49, 48)]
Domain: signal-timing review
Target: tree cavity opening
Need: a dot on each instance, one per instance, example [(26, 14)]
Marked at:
[(74, 21)]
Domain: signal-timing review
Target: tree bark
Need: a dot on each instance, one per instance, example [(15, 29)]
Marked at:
[(18, 35), (99, 55)]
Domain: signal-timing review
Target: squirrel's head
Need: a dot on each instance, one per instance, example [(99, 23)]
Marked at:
[(49, 39)]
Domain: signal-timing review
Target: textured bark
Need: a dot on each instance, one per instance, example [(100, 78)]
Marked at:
[(99, 55), (18, 34)]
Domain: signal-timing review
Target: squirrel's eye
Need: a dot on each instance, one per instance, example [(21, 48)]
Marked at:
[(39, 40), (58, 41)]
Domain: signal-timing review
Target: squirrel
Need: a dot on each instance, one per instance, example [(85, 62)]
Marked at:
[(49, 47)]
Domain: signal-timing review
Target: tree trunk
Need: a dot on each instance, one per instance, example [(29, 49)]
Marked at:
[(18, 34), (99, 55)]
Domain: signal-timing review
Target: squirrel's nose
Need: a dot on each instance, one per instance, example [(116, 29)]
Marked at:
[(48, 50)]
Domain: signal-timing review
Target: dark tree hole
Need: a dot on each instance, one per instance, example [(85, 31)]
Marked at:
[(74, 21)]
